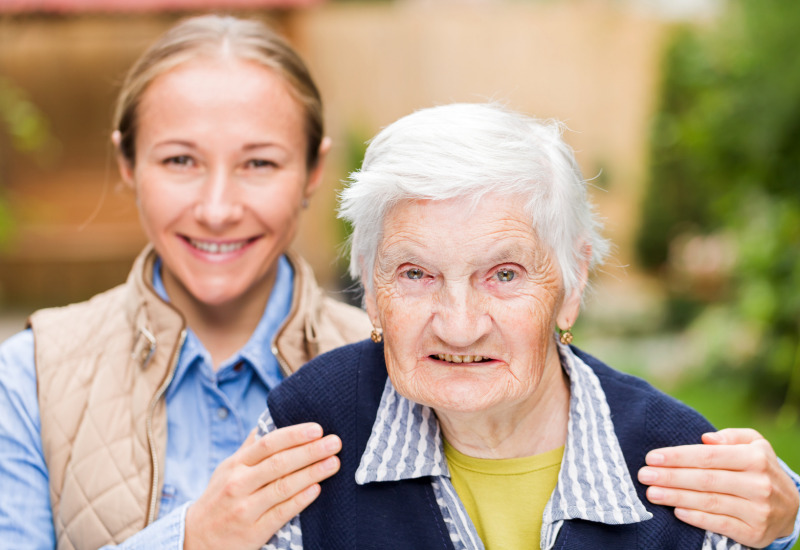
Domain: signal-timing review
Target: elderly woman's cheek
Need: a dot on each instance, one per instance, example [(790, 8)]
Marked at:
[(387, 302)]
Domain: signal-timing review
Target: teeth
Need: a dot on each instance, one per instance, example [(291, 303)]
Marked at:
[(460, 358), (217, 248)]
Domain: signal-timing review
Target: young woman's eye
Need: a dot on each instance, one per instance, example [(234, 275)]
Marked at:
[(179, 160), (505, 275), (260, 163), (414, 273)]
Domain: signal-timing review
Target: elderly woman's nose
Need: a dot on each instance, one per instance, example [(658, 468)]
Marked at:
[(218, 203), (461, 318)]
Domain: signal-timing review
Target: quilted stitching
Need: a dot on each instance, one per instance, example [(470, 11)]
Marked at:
[(94, 401), (94, 404)]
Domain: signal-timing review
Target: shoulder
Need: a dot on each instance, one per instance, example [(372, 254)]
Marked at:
[(17, 348), (95, 314), (642, 412), (101, 306), (339, 323), (82, 326), (349, 316), (17, 368), (331, 383), (331, 371), (333, 315)]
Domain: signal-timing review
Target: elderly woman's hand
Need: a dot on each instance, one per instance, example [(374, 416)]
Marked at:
[(732, 485), (262, 486)]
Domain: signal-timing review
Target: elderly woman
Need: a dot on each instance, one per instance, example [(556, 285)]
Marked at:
[(467, 421)]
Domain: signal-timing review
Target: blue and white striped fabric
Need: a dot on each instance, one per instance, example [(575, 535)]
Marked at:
[(593, 484)]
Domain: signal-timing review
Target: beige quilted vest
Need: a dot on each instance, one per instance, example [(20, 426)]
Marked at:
[(102, 369)]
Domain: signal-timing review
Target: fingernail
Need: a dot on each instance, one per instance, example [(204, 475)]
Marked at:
[(654, 494), (713, 436), (655, 459), (314, 431), (330, 463), (646, 475), (332, 444), (681, 513)]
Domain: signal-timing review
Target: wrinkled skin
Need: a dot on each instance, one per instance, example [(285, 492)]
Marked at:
[(484, 287)]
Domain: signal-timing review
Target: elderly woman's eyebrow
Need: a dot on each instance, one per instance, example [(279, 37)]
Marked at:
[(514, 252), (509, 254), (398, 254)]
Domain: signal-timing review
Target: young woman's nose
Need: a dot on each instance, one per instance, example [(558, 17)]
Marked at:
[(461, 318), (219, 202)]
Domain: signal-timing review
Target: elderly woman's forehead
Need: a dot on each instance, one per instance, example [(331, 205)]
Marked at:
[(443, 223), (490, 207)]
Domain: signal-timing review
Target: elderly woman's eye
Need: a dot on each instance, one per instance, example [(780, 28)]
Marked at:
[(414, 273), (505, 275)]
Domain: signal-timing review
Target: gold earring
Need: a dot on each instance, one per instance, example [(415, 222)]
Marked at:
[(376, 335), (566, 336)]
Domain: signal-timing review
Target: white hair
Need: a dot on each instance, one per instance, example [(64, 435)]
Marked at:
[(467, 151)]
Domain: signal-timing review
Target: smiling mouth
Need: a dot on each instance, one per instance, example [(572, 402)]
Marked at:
[(216, 247), (460, 358)]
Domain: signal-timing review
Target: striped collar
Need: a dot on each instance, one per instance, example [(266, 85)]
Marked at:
[(594, 483)]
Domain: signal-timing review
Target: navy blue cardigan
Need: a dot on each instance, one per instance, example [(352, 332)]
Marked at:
[(341, 390)]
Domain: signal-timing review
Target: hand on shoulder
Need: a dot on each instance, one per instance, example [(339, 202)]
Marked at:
[(262, 486), (732, 485)]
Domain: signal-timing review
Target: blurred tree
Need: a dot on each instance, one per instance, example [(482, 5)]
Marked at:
[(28, 132), (355, 146), (722, 213)]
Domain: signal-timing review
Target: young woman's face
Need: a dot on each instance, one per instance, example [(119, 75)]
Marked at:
[(220, 176)]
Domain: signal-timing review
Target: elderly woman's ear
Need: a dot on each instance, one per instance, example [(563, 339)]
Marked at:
[(571, 307), (369, 298)]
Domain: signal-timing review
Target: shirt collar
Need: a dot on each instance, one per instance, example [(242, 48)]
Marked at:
[(257, 351), (593, 484)]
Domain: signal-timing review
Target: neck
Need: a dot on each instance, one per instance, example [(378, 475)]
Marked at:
[(535, 426), (224, 328)]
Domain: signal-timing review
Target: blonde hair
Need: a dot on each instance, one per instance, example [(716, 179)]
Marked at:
[(211, 35)]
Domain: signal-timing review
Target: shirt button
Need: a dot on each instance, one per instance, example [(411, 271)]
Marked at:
[(222, 413)]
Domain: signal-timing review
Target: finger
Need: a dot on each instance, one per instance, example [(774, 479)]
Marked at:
[(723, 457), (739, 484), (731, 436), (710, 503), (294, 459), (733, 528), (279, 440), (278, 516), (287, 487)]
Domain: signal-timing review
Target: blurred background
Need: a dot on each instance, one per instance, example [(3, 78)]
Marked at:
[(684, 114)]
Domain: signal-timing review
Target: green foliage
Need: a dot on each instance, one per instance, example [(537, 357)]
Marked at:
[(355, 146), (22, 120), (28, 130), (725, 158)]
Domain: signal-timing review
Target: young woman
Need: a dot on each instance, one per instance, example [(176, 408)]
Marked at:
[(126, 419), (127, 407)]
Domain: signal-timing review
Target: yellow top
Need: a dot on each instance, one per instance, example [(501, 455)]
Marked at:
[(505, 498)]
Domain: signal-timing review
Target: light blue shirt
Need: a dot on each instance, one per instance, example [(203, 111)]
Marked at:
[(209, 415), (593, 483)]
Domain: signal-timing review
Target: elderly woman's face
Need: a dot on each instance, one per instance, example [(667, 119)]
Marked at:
[(468, 301)]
